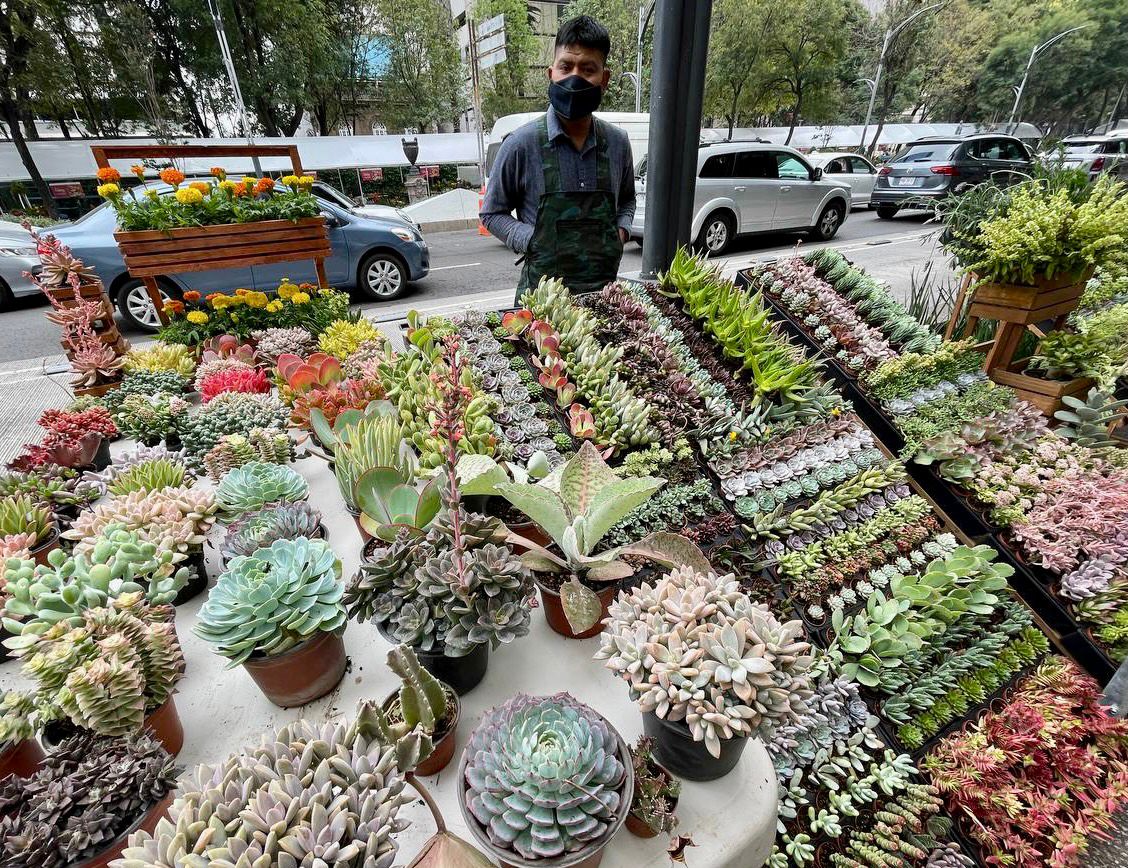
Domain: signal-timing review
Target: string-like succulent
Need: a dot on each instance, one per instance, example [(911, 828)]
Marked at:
[(274, 599), (269, 445), (694, 647), (329, 794), (90, 790), (545, 776), (255, 530), (252, 486)]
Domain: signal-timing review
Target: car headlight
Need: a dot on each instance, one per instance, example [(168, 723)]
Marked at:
[(17, 251), (403, 234)]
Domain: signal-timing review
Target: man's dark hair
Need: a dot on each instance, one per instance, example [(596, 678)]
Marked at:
[(585, 31)]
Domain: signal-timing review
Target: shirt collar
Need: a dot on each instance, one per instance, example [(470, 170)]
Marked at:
[(555, 131)]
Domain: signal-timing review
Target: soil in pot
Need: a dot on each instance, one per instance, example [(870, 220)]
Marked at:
[(304, 673), (21, 758), (675, 749), (373, 550), (148, 821), (549, 585), (443, 738)]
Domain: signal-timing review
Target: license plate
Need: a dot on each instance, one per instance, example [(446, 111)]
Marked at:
[(906, 182)]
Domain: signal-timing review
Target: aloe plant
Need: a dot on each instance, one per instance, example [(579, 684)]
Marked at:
[(361, 440)]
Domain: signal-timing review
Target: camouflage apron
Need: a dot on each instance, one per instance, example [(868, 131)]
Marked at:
[(575, 237)]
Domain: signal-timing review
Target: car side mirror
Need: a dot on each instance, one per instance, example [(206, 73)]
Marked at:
[(816, 174), (331, 220)]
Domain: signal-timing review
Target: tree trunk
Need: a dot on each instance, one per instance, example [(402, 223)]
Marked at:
[(876, 136), (81, 75), (11, 116), (63, 128)]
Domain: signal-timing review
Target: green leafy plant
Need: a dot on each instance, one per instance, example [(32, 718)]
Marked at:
[(361, 441), (274, 599), (253, 485), (20, 514), (1064, 355), (259, 444), (341, 338), (149, 476), (148, 418), (388, 503)]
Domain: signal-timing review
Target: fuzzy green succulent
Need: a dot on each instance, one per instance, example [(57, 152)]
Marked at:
[(268, 602), (21, 514), (229, 413), (252, 486), (545, 776), (119, 563), (148, 418), (255, 530), (261, 444), (149, 476)]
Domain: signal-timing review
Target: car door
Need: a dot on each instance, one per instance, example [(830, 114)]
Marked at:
[(755, 187), (862, 178), (974, 161), (1013, 161), (799, 196), (268, 276), (714, 181)]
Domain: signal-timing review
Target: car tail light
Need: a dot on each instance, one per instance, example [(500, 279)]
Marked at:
[(885, 170), (1098, 164), (944, 169)]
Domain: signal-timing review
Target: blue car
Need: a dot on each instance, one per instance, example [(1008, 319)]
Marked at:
[(377, 255)]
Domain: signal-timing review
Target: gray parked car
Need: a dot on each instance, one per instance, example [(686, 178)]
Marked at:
[(377, 255), (17, 255), (746, 188), (934, 167)]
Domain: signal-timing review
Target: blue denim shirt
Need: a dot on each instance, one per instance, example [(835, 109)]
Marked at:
[(516, 181)]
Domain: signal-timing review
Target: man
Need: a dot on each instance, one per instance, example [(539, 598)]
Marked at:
[(568, 176)]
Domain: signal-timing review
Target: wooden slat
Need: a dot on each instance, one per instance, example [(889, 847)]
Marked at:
[(1018, 315), (234, 262), (104, 153), (218, 243), (1009, 295), (312, 247), (217, 230)]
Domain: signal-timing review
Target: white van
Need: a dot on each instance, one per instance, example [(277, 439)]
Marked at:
[(635, 124)]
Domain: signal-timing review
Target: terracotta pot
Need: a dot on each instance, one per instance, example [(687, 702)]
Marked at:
[(165, 726), (49, 544), (675, 749), (148, 822), (443, 751), (302, 674), (21, 758), (558, 621), (365, 536), (532, 532), (636, 825)]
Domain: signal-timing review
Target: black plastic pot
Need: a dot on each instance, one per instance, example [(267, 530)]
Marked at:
[(198, 582), (461, 674), (675, 749), (102, 456)]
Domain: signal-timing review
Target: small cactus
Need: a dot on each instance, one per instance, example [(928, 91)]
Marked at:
[(423, 699)]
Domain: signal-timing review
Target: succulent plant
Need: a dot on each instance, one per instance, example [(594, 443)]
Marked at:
[(161, 357), (39, 596), (422, 698), (176, 519), (106, 674), (250, 380), (655, 791), (253, 485), (18, 717), (389, 504), (20, 514), (693, 647), (259, 529), (269, 445), (302, 375), (362, 440), (149, 476), (343, 337), (329, 793), (229, 413), (545, 776), (90, 790), (147, 418), (1087, 421), (268, 602), (272, 343)]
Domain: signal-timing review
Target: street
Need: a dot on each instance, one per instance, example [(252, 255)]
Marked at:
[(465, 266)]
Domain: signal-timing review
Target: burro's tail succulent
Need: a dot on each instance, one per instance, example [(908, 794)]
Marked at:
[(544, 776)]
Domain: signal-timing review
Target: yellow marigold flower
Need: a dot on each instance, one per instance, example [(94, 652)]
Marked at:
[(234, 300), (189, 196), (305, 181), (256, 299), (274, 306), (286, 289), (197, 316), (108, 191), (219, 302), (248, 181), (228, 187), (300, 297), (290, 180)]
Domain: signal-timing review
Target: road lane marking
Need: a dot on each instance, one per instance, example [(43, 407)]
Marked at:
[(463, 265)]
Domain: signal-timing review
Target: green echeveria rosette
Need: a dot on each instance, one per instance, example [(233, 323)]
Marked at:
[(255, 530), (252, 486), (273, 600), (544, 777)]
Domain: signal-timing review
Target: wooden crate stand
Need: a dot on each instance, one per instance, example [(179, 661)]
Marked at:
[(151, 253)]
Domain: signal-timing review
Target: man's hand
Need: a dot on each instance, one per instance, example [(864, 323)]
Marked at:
[(624, 235)]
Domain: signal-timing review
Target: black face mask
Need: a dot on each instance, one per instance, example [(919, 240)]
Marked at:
[(575, 97)]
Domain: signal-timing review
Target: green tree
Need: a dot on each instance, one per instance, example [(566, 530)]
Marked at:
[(741, 79)]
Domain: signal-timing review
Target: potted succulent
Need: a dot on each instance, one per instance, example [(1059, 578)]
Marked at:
[(270, 445), (424, 703), (113, 674), (21, 514), (145, 473), (20, 753), (278, 612), (545, 780), (250, 487), (355, 827), (259, 529), (91, 792), (708, 667), (656, 793)]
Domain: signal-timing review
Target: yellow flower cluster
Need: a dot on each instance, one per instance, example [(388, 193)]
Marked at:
[(197, 316), (227, 186), (274, 306), (108, 191), (300, 297), (189, 196), (256, 299), (296, 181), (286, 289)]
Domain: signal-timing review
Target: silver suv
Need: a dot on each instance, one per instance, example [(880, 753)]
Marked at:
[(1096, 154), (744, 188)]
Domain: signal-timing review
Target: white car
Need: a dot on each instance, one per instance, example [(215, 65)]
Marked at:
[(385, 212), (746, 188), (17, 256), (858, 172), (1095, 154)]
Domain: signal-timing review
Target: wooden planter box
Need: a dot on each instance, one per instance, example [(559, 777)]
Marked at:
[(1044, 394), (1046, 299), (150, 253)]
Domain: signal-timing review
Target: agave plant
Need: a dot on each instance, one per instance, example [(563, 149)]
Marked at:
[(257, 483), (255, 530), (362, 440), (545, 776), (268, 602), (340, 810), (20, 514)]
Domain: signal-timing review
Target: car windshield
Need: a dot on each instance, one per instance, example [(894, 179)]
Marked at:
[(925, 153)]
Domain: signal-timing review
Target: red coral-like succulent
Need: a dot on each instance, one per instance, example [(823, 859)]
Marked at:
[(234, 380)]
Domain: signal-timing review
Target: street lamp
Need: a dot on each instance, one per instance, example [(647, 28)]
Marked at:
[(1034, 53), (890, 35), (644, 13)]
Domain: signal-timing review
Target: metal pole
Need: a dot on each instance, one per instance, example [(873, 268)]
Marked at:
[(229, 65), (1034, 53), (876, 82), (694, 96), (479, 121)]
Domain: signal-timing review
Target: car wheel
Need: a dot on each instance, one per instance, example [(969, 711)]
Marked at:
[(829, 221), (382, 276), (7, 300), (716, 233), (886, 212), (136, 307)]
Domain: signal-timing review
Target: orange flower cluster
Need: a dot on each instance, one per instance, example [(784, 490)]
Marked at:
[(138, 170), (174, 307), (191, 295), (202, 186), (172, 177), (109, 175), (219, 172), (264, 185)]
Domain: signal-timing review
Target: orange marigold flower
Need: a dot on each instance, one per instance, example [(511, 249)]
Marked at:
[(264, 185), (192, 295), (241, 291), (138, 170), (109, 175), (200, 186), (219, 172), (212, 296), (176, 307), (173, 177)]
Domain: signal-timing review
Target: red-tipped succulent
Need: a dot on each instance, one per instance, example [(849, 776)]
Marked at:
[(301, 375), (515, 322), (581, 422)]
